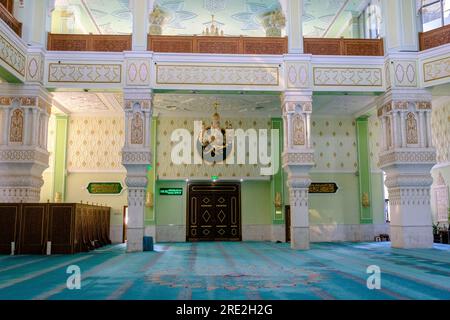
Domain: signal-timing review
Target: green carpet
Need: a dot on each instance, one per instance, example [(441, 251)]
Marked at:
[(247, 270)]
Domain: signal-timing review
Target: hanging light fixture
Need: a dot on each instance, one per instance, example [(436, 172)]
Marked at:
[(213, 29)]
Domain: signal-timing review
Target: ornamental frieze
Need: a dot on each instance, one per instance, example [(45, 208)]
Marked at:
[(23, 156), (136, 157), (12, 56), (298, 158), (144, 104), (84, 73), (218, 75), (408, 157)]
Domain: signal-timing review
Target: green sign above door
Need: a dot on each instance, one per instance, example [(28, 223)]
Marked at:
[(171, 191), (104, 188)]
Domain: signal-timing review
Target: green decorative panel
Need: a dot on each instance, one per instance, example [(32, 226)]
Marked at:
[(60, 154), (277, 183), (364, 176), (104, 188)]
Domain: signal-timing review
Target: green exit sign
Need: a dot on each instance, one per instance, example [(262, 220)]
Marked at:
[(171, 191)]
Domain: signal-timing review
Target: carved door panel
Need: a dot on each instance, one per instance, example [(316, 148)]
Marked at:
[(213, 212)]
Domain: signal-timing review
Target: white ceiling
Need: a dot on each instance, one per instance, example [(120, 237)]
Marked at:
[(201, 104)]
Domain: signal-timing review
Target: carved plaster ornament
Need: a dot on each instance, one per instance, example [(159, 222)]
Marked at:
[(278, 201), (365, 200)]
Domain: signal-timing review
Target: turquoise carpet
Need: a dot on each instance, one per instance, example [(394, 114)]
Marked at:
[(248, 270)]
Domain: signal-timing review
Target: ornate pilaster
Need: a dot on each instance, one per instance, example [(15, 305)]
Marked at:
[(407, 157), (25, 110), (136, 157), (298, 159), (294, 26)]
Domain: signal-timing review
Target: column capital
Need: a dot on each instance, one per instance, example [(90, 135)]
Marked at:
[(23, 141)]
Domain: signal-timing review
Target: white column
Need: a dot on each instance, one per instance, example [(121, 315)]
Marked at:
[(136, 158), (400, 25), (22, 166), (354, 25), (395, 130), (422, 130), (140, 10), (408, 179), (34, 15), (403, 129), (5, 133), (297, 162), (383, 134), (294, 26), (428, 125)]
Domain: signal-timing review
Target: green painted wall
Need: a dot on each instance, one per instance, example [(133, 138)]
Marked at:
[(170, 209), (151, 186), (59, 175), (343, 206), (364, 172), (256, 204), (277, 181)]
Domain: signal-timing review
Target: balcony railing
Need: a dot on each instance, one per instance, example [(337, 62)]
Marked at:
[(10, 20), (434, 38), (344, 47), (215, 45), (220, 45), (89, 42)]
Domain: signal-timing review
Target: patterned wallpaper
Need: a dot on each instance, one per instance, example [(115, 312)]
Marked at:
[(334, 140), (440, 123), (166, 169), (95, 143), (51, 143), (374, 141)]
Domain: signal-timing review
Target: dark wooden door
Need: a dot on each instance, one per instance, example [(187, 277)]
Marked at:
[(287, 218), (214, 212)]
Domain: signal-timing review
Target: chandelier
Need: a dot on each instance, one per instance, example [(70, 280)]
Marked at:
[(212, 29)]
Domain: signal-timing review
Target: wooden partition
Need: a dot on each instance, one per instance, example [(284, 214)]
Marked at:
[(344, 47), (89, 42), (263, 45), (6, 14), (220, 45), (70, 228), (434, 38)]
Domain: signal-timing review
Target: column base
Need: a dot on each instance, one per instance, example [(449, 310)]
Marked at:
[(278, 233), (411, 237), (300, 238), (135, 239)]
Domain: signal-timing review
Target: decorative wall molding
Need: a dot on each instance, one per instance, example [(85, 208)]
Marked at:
[(35, 67), (298, 158), (348, 76), (138, 72), (404, 73), (84, 73), (298, 75), (427, 157), (436, 69), (232, 75), (15, 155), (12, 56)]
